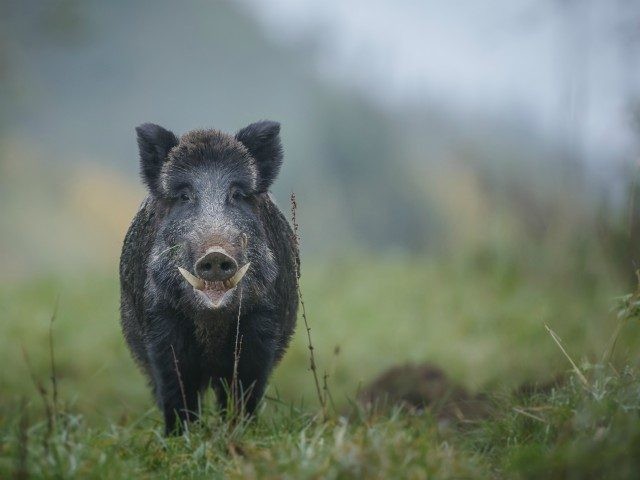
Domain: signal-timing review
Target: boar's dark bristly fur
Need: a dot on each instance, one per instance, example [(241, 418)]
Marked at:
[(208, 191)]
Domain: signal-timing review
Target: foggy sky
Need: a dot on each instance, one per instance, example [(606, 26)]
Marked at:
[(561, 65)]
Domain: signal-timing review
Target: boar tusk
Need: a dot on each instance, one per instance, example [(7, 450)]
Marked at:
[(194, 281), (235, 280), (244, 241)]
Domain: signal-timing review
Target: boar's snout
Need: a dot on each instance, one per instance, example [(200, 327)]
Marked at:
[(216, 265)]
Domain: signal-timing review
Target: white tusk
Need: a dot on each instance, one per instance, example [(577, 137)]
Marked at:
[(194, 281), (235, 280)]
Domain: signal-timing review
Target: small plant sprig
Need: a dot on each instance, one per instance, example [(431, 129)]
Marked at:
[(312, 359), (628, 309), (51, 408), (628, 306)]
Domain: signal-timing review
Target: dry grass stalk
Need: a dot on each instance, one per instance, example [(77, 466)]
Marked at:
[(54, 379), (579, 373), (45, 400), (182, 392), (327, 392), (238, 401), (237, 349), (520, 411), (312, 359), (22, 471)]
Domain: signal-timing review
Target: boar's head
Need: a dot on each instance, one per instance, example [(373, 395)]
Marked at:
[(207, 188)]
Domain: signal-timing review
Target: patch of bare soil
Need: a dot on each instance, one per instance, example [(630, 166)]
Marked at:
[(424, 386)]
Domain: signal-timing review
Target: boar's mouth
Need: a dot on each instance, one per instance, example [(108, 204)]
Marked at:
[(214, 293)]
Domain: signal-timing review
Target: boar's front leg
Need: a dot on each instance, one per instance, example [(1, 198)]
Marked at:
[(174, 380)]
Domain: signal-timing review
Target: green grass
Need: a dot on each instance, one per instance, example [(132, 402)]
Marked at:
[(569, 432), (481, 318)]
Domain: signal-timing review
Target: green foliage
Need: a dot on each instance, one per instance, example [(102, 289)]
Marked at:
[(567, 432), (487, 332), (282, 442)]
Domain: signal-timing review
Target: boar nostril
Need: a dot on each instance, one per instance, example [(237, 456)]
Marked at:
[(206, 266), (226, 266)]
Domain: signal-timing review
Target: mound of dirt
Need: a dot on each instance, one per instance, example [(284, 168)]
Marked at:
[(424, 386)]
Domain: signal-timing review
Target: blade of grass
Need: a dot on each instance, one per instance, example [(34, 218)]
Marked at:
[(558, 341)]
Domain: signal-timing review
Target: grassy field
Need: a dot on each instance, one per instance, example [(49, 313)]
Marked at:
[(480, 317)]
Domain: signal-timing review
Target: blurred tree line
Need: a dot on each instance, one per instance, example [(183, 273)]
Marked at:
[(76, 78)]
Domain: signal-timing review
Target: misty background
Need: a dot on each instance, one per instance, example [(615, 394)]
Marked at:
[(408, 126), (466, 173)]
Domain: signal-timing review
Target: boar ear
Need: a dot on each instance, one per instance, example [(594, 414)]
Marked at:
[(262, 139), (154, 143)]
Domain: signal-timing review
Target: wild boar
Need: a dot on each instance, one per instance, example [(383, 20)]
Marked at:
[(209, 268)]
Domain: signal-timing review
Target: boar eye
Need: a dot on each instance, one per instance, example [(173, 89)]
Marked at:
[(237, 195), (184, 197)]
